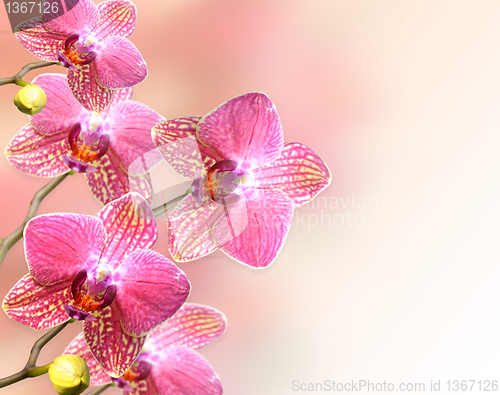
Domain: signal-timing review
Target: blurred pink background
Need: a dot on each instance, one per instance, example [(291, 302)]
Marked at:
[(393, 274)]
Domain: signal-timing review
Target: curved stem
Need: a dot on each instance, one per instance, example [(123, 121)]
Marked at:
[(8, 242), (24, 71), (30, 370)]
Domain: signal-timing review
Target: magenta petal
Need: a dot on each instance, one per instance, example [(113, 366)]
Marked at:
[(59, 245), (189, 229), (62, 110), (245, 129), (108, 168), (176, 141), (38, 155), (129, 225), (87, 91), (38, 306), (298, 171), (129, 125), (80, 20), (40, 42), (119, 64), (119, 95), (117, 18), (269, 214), (150, 290), (113, 349), (192, 326), (181, 371), (80, 348)]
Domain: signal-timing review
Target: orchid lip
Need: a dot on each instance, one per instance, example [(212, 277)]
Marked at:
[(64, 61), (89, 58)]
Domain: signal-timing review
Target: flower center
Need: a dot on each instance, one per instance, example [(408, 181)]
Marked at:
[(91, 292), (221, 183), (77, 50), (140, 370), (88, 151)]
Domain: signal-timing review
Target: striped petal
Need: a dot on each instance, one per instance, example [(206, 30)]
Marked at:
[(78, 347), (129, 125), (59, 245), (110, 182), (81, 18), (38, 40), (87, 91), (119, 95), (269, 213), (62, 110), (176, 141), (189, 229), (245, 129), (119, 64), (113, 349), (129, 225), (298, 172), (38, 155), (38, 306), (192, 326), (182, 371), (117, 18), (150, 290)]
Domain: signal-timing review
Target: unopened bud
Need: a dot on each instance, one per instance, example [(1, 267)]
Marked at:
[(69, 374), (31, 99)]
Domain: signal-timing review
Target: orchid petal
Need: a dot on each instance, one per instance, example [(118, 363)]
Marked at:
[(298, 171), (150, 290), (78, 347), (59, 245), (62, 110), (189, 229), (110, 182), (113, 349), (129, 126), (119, 64), (192, 326), (182, 371), (40, 42), (176, 141), (129, 225), (119, 95), (269, 213), (38, 306), (87, 91), (245, 129), (80, 19), (38, 155), (117, 18)]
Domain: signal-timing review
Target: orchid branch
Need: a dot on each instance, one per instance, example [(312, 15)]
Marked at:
[(30, 370), (17, 79), (8, 242)]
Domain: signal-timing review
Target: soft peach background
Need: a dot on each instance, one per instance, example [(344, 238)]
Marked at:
[(401, 99)]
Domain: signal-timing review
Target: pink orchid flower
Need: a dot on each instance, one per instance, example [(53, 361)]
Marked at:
[(66, 136), (100, 270), (167, 363), (243, 197), (91, 42)]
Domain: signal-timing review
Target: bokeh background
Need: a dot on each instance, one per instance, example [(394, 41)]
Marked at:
[(393, 273)]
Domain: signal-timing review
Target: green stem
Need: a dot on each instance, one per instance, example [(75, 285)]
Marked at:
[(24, 71), (38, 370), (30, 370), (19, 82), (8, 242), (165, 206)]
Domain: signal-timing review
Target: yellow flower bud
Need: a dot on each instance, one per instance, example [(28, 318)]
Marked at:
[(31, 99), (69, 374)]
